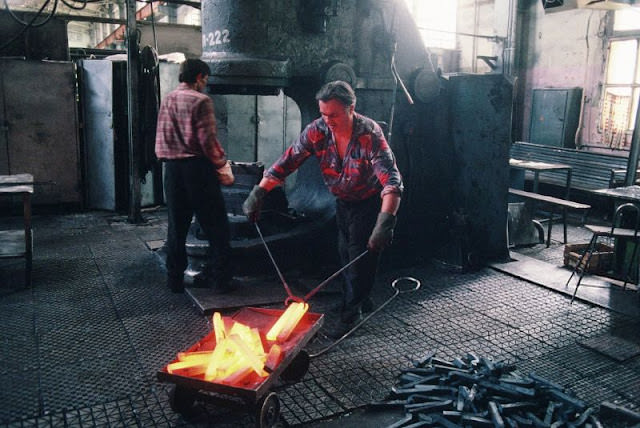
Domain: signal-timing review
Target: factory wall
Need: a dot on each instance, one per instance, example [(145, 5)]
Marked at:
[(538, 49), (563, 50)]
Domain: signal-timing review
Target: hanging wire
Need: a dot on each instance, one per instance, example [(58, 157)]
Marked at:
[(72, 6), (153, 28), (32, 23)]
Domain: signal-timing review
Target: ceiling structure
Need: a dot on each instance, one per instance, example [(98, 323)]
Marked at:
[(100, 24)]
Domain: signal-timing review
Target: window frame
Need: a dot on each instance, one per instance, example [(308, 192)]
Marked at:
[(634, 86)]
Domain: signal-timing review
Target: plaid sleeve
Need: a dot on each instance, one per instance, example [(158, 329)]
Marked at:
[(295, 155), (205, 124), (384, 164)]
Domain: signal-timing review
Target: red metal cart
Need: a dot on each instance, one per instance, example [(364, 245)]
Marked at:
[(256, 393)]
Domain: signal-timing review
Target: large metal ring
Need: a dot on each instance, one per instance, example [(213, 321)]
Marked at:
[(416, 284)]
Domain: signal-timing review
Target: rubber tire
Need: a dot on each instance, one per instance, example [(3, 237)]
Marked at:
[(182, 399), (268, 414), (297, 368)]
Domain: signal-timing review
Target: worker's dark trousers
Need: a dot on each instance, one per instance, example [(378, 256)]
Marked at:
[(355, 224), (191, 187)]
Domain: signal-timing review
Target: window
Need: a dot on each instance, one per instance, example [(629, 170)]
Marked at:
[(436, 21), (622, 80)]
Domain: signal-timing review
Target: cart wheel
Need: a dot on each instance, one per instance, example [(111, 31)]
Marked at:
[(181, 399), (297, 368), (269, 411)]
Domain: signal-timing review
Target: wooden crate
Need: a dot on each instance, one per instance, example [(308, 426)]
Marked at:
[(601, 261)]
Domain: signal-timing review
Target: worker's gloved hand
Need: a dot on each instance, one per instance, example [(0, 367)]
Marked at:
[(225, 174), (382, 234), (252, 205)]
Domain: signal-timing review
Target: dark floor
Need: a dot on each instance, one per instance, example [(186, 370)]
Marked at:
[(82, 346)]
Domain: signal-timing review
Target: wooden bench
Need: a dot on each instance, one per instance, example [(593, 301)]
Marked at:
[(553, 202), (590, 170)]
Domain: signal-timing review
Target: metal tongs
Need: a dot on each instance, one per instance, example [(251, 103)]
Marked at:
[(290, 296), (414, 284)]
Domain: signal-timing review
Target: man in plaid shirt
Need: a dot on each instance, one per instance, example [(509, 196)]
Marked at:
[(359, 168), (195, 167)]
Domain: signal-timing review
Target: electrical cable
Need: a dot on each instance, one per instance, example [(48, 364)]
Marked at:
[(31, 23), (153, 28), (72, 6), (193, 4)]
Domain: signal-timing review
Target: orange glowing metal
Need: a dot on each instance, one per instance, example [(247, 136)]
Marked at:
[(185, 356), (217, 357), (256, 362), (232, 369), (236, 350), (189, 363), (218, 327), (285, 324), (238, 376), (274, 357), (241, 330), (239, 350)]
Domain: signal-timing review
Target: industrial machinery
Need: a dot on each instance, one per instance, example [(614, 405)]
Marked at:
[(449, 133)]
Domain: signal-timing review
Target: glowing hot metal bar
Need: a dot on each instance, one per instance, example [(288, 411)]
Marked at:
[(218, 327), (238, 351), (283, 327)]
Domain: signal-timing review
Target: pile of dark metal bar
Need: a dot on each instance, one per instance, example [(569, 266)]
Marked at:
[(479, 392)]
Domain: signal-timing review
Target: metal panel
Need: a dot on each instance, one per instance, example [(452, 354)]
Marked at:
[(271, 118), (4, 132), (479, 119), (256, 128), (42, 136), (237, 126), (169, 72), (554, 116), (97, 96)]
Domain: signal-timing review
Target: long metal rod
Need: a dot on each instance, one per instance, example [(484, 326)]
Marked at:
[(311, 293), (273, 261)]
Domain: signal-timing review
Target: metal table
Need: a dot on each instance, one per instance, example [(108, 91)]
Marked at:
[(622, 194), (537, 168), (541, 167)]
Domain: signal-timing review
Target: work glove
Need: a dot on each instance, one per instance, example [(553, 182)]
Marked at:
[(252, 205), (382, 233), (225, 174)]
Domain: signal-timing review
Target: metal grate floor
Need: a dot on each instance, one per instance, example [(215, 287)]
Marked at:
[(81, 348)]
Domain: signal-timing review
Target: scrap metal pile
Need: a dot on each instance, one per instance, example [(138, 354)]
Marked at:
[(477, 391)]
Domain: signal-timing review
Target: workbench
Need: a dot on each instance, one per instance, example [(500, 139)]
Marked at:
[(18, 243)]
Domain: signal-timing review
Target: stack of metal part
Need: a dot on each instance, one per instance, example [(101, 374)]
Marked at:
[(477, 391)]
